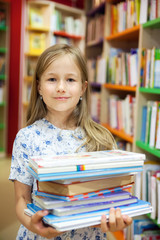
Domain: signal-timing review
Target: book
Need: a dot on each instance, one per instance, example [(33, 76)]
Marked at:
[(76, 188), (85, 195), (37, 43), (84, 158), (70, 210), (49, 203), (143, 124), (86, 173), (76, 221)]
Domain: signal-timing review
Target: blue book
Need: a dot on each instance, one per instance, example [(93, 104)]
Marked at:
[(144, 121), (80, 220), (82, 174)]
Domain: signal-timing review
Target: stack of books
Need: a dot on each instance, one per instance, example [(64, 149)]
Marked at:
[(78, 188)]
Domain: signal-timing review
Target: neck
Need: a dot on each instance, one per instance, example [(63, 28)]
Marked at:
[(61, 121)]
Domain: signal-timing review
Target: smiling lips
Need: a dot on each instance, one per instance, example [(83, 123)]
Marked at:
[(61, 98)]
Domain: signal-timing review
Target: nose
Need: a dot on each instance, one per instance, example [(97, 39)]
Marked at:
[(61, 86)]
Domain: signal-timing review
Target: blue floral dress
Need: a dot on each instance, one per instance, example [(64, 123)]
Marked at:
[(42, 138)]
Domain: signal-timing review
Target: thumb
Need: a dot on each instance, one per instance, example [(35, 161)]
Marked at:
[(38, 215)]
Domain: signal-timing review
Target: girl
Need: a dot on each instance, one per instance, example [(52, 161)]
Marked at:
[(58, 122)]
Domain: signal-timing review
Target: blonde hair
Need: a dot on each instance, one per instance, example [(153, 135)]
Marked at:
[(97, 137)]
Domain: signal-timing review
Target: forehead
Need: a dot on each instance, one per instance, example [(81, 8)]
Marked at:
[(64, 61)]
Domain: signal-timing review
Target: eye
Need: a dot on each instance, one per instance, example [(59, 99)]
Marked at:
[(70, 80), (52, 79)]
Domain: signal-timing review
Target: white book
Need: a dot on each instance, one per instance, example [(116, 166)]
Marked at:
[(143, 11), (153, 124)]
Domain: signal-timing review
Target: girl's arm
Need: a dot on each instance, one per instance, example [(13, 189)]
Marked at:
[(34, 223)]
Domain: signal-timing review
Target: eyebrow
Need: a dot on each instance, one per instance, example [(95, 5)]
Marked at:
[(68, 74)]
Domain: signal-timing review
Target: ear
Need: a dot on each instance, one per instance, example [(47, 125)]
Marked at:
[(84, 86), (39, 87)]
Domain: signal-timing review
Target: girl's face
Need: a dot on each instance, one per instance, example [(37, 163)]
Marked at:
[(61, 85)]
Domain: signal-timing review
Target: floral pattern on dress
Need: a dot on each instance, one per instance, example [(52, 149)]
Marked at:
[(43, 138)]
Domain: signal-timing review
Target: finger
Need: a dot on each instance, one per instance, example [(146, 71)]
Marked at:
[(38, 216), (127, 220), (112, 220), (120, 224), (104, 227)]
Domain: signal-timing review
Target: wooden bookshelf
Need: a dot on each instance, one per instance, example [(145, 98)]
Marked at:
[(149, 90), (128, 34), (119, 133), (67, 35), (120, 87), (147, 148)]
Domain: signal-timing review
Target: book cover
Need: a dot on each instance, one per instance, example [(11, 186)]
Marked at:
[(83, 187), (49, 203), (143, 124), (37, 43), (69, 210)]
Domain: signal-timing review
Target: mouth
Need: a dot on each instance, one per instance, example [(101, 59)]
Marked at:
[(61, 98)]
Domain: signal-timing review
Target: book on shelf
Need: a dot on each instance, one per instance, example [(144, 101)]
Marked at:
[(37, 43), (2, 65), (70, 210), (157, 140), (140, 226), (31, 66), (88, 195), (65, 223), (36, 17), (143, 124), (2, 17), (49, 203), (76, 188), (157, 69)]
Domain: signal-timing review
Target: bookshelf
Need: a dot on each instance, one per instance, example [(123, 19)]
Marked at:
[(4, 50), (137, 34), (48, 23)]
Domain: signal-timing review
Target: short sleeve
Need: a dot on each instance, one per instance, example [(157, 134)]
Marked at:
[(20, 156)]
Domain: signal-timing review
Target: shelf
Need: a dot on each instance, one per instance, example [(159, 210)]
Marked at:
[(2, 77), (118, 133), (3, 50), (29, 54), (67, 35), (147, 148), (150, 90), (152, 24), (153, 220), (28, 79), (2, 125), (2, 104), (3, 28), (38, 29), (98, 9), (119, 87), (128, 34)]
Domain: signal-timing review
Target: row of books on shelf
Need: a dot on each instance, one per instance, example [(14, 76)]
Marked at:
[(150, 126), (121, 113), (123, 145), (2, 91), (58, 22), (128, 14), (124, 15), (145, 229), (151, 187), (79, 200), (95, 29), (150, 68), (97, 70), (123, 67), (68, 24)]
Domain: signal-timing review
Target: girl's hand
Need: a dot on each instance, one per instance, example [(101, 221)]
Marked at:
[(38, 227), (116, 222)]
